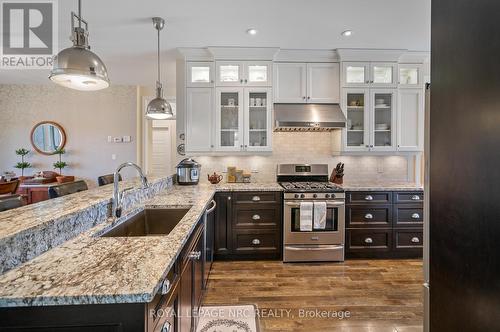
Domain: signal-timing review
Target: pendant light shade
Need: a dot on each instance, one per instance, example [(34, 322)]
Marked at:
[(159, 108), (77, 67)]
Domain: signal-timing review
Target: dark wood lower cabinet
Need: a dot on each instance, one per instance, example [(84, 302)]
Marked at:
[(248, 225), (384, 224)]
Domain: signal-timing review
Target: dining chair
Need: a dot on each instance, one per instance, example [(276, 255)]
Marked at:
[(107, 179), (11, 202), (9, 187), (67, 188)]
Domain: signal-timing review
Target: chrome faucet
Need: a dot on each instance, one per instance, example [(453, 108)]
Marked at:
[(117, 195)]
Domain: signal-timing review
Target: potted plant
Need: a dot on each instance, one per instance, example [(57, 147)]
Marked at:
[(60, 165), (22, 164)]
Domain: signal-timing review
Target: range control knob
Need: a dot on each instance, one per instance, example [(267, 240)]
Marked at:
[(296, 196), (302, 196), (327, 196), (332, 196), (315, 196)]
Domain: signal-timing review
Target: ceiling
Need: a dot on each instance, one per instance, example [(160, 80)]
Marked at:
[(122, 34)]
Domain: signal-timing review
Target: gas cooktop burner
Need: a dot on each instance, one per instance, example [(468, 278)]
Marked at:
[(311, 187)]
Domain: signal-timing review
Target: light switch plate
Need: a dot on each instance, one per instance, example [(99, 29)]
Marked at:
[(127, 139), (117, 139)]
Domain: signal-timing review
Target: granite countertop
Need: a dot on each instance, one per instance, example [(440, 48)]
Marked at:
[(382, 186), (90, 269)]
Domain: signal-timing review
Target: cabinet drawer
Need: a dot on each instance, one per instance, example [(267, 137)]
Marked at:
[(408, 239), (369, 197), (408, 215), (408, 197), (369, 216), (369, 240), (256, 197), (162, 309), (264, 216), (256, 241)]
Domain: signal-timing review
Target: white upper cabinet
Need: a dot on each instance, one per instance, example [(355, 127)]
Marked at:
[(411, 120), (229, 119), (199, 119), (290, 82), (257, 119), (200, 74), (244, 73), (323, 83), (369, 74), (371, 119), (306, 83), (410, 75), (355, 74)]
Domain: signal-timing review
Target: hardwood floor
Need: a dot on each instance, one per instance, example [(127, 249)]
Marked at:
[(380, 295)]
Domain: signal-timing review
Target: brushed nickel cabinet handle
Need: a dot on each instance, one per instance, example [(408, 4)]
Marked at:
[(368, 216), (369, 240), (241, 81), (256, 217), (165, 287), (166, 327), (228, 198), (246, 81), (195, 255), (415, 240), (415, 216), (255, 241), (368, 198), (256, 198), (415, 198)]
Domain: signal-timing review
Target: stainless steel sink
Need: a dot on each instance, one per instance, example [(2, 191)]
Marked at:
[(148, 222)]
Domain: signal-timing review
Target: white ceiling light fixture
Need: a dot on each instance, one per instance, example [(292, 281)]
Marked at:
[(346, 33), (252, 31), (77, 67), (159, 108)]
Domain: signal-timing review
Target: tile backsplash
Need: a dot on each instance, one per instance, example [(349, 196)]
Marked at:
[(311, 147)]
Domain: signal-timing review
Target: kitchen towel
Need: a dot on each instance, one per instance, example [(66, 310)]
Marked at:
[(306, 216), (319, 215)]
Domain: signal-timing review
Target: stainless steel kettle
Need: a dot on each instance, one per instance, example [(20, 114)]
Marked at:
[(188, 172)]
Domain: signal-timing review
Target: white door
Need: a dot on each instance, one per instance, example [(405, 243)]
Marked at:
[(383, 119), (257, 119), (383, 74), (355, 74), (229, 119), (161, 150), (230, 73), (410, 76), (410, 120), (356, 105), (199, 119), (258, 73), (323, 81), (290, 82), (200, 74)]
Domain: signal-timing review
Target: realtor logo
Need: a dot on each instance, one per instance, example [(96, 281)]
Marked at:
[(29, 34)]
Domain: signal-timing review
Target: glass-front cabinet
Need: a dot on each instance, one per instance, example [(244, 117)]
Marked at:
[(371, 118), (243, 119), (229, 119), (383, 119), (244, 73), (356, 106), (257, 119), (200, 74), (369, 74), (410, 75)]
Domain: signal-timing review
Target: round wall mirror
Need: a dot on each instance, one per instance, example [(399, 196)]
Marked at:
[(47, 137)]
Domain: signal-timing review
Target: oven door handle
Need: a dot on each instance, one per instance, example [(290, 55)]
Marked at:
[(331, 204), (313, 248)]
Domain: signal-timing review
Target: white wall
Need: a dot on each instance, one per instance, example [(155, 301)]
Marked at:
[(87, 117)]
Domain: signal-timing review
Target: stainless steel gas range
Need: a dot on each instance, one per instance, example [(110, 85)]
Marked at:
[(314, 214)]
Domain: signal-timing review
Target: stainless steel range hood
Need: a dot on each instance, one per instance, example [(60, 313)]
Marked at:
[(308, 117)]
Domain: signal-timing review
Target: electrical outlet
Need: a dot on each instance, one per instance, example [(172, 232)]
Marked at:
[(254, 171), (127, 139), (113, 156), (380, 166)]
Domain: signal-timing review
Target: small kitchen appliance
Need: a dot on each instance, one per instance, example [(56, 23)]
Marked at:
[(304, 183), (188, 172)]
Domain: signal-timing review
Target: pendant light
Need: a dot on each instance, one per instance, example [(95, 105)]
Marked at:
[(77, 67), (159, 108)]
